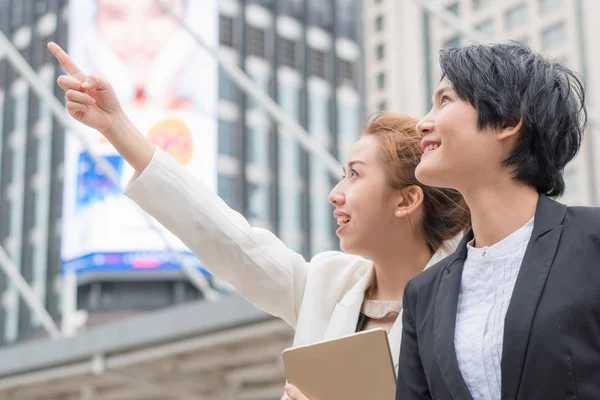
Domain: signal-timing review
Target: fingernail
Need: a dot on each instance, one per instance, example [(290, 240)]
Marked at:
[(288, 387), (87, 84)]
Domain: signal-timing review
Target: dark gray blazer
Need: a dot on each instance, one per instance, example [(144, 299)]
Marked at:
[(551, 344)]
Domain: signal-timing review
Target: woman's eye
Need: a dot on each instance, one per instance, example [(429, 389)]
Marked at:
[(351, 173)]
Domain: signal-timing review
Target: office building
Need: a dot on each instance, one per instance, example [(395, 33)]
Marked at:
[(402, 40), (305, 54)]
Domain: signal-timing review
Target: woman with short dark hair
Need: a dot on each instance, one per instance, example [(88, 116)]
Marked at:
[(514, 313)]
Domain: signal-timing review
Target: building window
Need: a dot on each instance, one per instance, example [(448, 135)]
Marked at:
[(256, 42), (258, 146), (486, 28), (349, 126), (479, 4), (258, 203), (547, 6), (346, 15), (381, 80), (320, 222), (289, 158), (287, 52), (17, 17), (516, 17), (379, 23), (226, 187), (347, 72), (227, 138), (41, 7), (294, 8), (320, 13), (226, 31), (318, 124), (554, 36), (289, 152), (263, 81), (316, 63), (454, 8), (380, 53), (318, 113), (383, 106), (290, 217), (289, 98), (227, 88), (452, 43)]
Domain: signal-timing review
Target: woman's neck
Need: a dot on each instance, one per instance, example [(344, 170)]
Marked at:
[(393, 269), (499, 210)]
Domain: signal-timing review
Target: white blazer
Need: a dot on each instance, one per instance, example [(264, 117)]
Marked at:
[(321, 298)]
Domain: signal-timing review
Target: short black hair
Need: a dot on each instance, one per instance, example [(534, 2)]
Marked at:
[(508, 82)]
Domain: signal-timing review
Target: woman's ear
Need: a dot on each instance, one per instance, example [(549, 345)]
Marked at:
[(409, 201), (511, 129)]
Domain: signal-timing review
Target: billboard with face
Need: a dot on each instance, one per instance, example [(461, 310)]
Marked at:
[(168, 87)]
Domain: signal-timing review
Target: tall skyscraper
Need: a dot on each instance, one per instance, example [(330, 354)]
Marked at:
[(31, 157)]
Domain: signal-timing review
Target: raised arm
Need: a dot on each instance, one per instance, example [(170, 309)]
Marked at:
[(254, 261)]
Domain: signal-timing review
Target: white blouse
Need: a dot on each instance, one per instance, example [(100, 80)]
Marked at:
[(488, 280)]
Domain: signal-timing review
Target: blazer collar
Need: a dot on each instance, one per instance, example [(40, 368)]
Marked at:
[(444, 323), (548, 215), (527, 292), (534, 271)]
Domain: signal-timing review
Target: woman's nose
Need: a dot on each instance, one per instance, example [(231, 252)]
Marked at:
[(425, 126), (336, 197)]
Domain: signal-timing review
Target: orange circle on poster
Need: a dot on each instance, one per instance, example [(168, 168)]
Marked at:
[(173, 137)]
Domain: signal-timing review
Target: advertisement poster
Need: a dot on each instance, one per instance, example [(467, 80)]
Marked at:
[(167, 84)]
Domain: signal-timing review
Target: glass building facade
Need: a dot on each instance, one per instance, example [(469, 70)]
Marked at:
[(306, 54), (31, 156)]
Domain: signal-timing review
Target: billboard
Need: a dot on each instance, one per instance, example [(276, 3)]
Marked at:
[(168, 87)]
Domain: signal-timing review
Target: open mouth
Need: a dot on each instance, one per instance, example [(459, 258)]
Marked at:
[(431, 147), (343, 220)]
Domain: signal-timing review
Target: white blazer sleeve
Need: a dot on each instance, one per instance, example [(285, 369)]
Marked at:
[(253, 260)]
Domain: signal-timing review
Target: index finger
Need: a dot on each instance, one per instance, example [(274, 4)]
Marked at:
[(64, 60)]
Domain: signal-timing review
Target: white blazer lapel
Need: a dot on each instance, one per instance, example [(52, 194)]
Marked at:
[(345, 314)]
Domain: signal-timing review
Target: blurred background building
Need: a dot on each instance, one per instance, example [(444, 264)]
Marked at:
[(307, 55), (150, 333), (403, 38), (31, 160)]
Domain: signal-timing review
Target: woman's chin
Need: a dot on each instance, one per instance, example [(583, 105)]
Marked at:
[(422, 173), (429, 175), (347, 246)]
